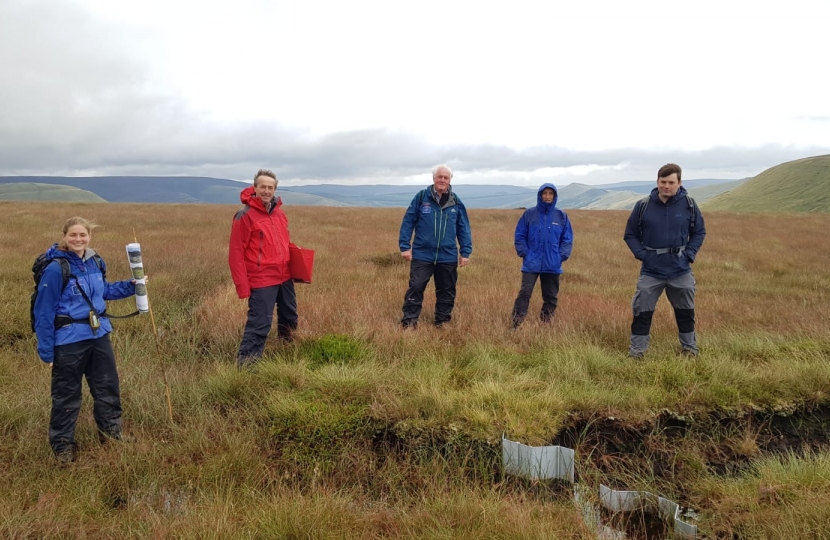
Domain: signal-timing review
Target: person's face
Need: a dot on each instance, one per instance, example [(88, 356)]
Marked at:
[(668, 186), (265, 188), (77, 239), (547, 195), (441, 180)]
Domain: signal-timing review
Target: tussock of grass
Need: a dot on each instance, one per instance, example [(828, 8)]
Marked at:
[(776, 499), (333, 349)]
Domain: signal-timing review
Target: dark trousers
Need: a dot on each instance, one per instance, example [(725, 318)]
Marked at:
[(420, 272), (260, 314), (95, 360), (550, 294)]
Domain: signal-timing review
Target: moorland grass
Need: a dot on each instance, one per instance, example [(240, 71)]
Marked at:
[(360, 430)]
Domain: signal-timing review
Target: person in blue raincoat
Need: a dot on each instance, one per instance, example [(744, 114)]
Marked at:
[(544, 239), (72, 331)]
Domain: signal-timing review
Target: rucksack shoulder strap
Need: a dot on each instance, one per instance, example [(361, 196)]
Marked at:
[(66, 271), (692, 213), (643, 204), (102, 266)]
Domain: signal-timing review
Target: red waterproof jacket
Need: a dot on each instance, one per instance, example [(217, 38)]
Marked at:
[(258, 252)]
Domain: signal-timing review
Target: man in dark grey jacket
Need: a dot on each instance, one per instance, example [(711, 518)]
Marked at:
[(665, 232)]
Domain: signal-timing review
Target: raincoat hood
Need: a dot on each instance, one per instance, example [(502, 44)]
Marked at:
[(55, 253), (248, 196)]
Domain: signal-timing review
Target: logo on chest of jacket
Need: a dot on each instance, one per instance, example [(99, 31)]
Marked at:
[(75, 290), (426, 208)]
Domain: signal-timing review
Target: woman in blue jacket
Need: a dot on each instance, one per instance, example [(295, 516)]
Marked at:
[(544, 239), (72, 331)]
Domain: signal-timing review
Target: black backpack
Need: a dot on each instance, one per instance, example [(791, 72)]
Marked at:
[(40, 265)]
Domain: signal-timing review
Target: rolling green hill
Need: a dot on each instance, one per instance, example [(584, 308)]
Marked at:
[(796, 186), (32, 191), (710, 191)]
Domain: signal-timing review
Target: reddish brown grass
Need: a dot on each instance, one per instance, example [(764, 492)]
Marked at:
[(756, 273)]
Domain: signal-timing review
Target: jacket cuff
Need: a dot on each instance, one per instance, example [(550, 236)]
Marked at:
[(243, 292)]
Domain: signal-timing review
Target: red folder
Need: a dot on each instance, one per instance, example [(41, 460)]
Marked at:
[(300, 263)]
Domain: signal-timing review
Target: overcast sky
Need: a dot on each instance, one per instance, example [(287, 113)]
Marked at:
[(356, 91)]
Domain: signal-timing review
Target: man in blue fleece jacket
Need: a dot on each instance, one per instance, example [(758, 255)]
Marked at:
[(439, 220)]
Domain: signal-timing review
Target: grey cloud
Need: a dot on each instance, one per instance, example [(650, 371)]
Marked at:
[(79, 101)]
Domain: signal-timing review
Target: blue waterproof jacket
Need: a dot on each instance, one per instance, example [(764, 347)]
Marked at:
[(51, 301), (544, 237), (665, 225), (436, 227)]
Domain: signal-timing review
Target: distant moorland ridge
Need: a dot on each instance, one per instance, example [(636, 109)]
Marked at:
[(185, 189), (795, 186)]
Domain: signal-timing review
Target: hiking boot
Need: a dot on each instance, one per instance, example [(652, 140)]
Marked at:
[(691, 353), (68, 454), (104, 436), (247, 362), (409, 325), (636, 354), (285, 333)]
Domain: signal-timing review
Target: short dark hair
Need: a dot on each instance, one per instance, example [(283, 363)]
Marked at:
[(265, 172), (669, 169)]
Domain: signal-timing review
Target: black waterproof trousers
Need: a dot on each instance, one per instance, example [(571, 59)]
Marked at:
[(260, 315), (420, 272), (95, 360), (550, 295)]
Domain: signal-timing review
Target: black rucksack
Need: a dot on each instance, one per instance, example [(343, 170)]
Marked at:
[(40, 265)]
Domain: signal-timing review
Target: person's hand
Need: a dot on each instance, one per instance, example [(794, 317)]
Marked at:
[(463, 261), (407, 254), (146, 280)]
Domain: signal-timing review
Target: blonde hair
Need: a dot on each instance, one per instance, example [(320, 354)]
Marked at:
[(71, 222)]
